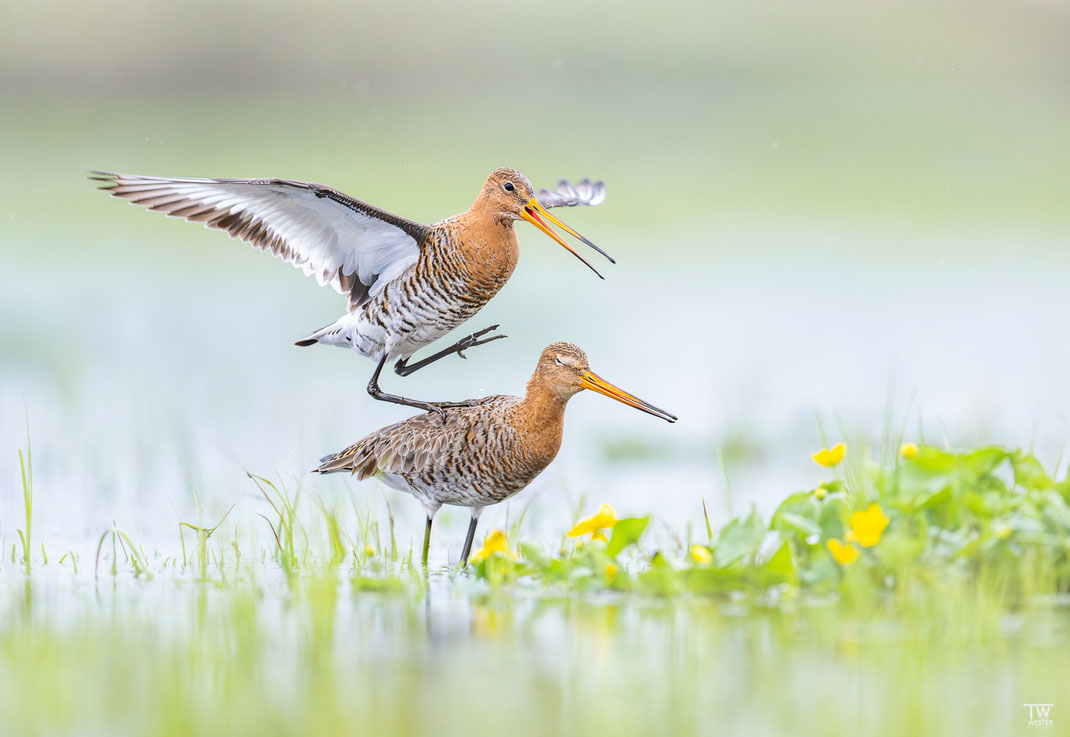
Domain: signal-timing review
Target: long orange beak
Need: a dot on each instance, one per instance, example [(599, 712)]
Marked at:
[(596, 383), (532, 212)]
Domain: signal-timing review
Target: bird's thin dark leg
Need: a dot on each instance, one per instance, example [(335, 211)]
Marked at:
[(403, 368), (427, 540), (468, 540), (377, 393)]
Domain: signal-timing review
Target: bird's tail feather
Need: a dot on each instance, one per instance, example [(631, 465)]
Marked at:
[(354, 459), (315, 337)]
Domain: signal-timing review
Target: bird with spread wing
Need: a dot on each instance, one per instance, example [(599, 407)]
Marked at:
[(406, 284)]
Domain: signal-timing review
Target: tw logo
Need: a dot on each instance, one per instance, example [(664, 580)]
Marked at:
[(1040, 715)]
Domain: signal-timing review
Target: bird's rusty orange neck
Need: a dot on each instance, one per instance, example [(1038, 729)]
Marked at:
[(487, 242), (541, 418)]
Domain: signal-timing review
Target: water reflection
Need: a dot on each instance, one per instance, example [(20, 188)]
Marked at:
[(318, 647)]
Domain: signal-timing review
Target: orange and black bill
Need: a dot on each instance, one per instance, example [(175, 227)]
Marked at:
[(594, 382), (534, 213)]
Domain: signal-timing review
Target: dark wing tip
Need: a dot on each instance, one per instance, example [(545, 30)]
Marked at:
[(110, 179)]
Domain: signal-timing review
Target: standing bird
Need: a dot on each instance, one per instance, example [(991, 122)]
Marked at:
[(406, 284), (484, 452)]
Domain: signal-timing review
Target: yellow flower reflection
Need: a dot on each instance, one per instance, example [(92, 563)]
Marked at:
[(908, 450), (495, 542), (830, 456), (603, 520), (842, 554), (868, 526), (701, 554)]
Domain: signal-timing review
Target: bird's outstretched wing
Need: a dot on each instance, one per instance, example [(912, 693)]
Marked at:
[(353, 246), (584, 193)]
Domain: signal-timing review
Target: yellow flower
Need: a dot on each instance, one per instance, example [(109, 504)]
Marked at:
[(599, 535), (611, 570), (603, 520), (701, 554), (843, 554), (830, 456), (868, 526), (908, 450), (821, 492), (369, 551), (493, 543)]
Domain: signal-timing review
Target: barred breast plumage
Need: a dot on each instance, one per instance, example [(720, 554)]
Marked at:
[(406, 284), (451, 281)]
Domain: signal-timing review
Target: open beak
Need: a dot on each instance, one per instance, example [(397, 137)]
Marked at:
[(534, 213), (596, 383)]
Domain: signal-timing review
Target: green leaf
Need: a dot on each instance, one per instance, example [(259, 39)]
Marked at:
[(786, 521), (738, 540), (984, 460), (1028, 473), (534, 554), (1056, 512), (932, 499), (660, 578), (1063, 487), (798, 513), (833, 514), (781, 566), (626, 532), (933, 460)]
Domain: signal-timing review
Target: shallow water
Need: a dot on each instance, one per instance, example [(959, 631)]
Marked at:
[(252, 649), (151, 387)]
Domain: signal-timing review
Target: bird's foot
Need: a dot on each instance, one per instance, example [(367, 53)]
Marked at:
[(475, 339), (377, 393), (454, 405), (404, 368)]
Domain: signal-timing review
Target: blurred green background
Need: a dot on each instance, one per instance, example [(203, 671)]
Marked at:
[(907, 110)]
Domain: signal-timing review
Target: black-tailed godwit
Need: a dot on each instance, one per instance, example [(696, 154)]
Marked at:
[(406, 284), (482, 453)]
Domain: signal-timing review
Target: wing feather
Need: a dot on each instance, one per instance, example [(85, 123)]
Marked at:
[(354, 247), (565, 195), (418, 443)]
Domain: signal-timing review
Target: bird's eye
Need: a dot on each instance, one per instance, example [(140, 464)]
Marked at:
[(558, 361), (508, 186)]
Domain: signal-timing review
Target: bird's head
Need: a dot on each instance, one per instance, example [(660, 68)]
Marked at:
[(509, 196), (507, 191), (564, 370)]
